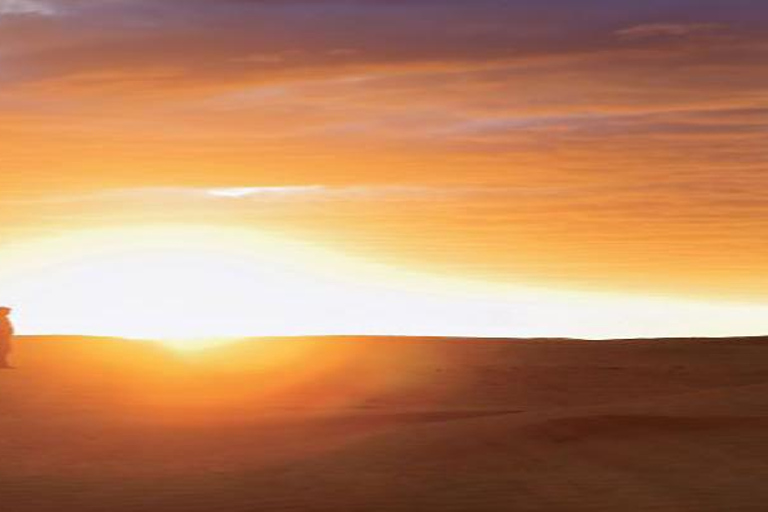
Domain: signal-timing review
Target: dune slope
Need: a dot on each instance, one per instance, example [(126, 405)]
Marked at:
[(325, 424)]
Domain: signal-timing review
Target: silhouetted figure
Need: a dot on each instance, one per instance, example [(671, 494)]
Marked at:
[(6, 337)]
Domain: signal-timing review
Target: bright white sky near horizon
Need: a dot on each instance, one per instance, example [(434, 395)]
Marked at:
[(180, 283)]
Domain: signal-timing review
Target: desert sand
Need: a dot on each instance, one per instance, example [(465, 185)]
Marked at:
[(385, 424)]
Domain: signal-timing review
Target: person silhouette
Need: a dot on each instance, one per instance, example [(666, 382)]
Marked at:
[(6, 336)]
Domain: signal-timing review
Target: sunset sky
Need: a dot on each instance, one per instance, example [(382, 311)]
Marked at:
[(471, 155)]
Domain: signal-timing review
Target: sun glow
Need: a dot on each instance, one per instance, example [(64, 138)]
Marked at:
[(191, 287), (186, 286)]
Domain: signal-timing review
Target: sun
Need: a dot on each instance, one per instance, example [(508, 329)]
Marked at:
[(187, 286)]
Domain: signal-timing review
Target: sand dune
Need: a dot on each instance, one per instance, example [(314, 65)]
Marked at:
[(380, 424)]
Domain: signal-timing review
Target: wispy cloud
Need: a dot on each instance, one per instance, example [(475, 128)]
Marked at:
[(426, 192), (35, 7), (297, 193), (654, 30), (263, 192)]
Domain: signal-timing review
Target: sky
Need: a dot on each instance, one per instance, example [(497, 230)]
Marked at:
[(598, 147)]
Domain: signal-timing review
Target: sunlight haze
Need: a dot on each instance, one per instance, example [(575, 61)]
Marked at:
[(191, 286)]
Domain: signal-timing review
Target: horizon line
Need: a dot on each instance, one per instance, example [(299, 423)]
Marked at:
[(397, 337)]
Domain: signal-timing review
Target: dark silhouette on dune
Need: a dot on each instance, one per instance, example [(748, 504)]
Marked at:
[(6, 337)]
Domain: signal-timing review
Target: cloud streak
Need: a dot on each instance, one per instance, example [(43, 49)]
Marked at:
[(27, 7), (653, 30), (292, 194)]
